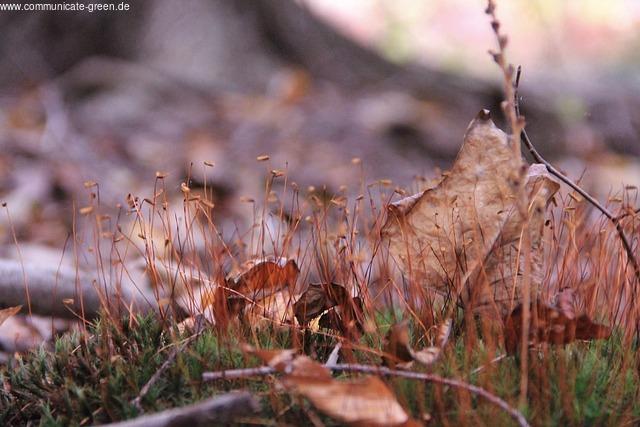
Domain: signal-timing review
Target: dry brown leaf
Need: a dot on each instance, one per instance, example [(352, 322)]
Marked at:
[(331, 306), (427, 356), (586, 329), (551, 325), (263, 277), (281, 360), (311, 304), (459, 236), (259, 291), (347, 318), (6, 313), (398, 351), (276, 308), (318, 298), (367, 401), (566, 302), (304, 368), (499, 280)]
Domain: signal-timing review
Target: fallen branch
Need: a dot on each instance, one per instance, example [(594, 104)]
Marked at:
[(215, 411), (384, 371), (232, 374), (62, 292)]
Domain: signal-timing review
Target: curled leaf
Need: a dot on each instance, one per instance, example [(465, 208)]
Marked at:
[(264, 276), (276, 308), (553, 325), (331, 305), (6, 313), (281, 360), (311, 304), (400, 354), (427, 356)]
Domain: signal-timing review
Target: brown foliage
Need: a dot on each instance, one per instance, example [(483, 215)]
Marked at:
[(400, 354), (557, 325), (463, 235), (334, 306), (364, 401)]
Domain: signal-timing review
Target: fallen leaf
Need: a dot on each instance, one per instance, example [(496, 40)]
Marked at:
[(303, 368), (318, 298), (364, 401), (330, 306), (367, 401), (6, 313), (263, 277), (260, 292), (281, 360), (276, 308), (427, 356), (497, 287), (459, 236), (565, 301), (398, 349), (586, 329), (311, 304), (551, 325), (400, 354)]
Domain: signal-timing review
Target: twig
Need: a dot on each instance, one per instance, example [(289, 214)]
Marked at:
[(517, 124), (494, 360), (526, 141), (232, 374), (380, 370), (335, 354), (215, 411), (167, 363)]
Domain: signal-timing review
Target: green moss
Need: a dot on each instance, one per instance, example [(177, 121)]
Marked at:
[(92, 378)]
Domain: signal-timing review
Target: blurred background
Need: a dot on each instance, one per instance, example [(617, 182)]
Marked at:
[(114, 97)]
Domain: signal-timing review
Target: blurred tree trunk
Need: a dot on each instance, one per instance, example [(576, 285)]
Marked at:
[(242, 44)]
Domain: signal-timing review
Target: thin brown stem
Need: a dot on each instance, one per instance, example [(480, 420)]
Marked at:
[(516, 123), (615, 220)]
